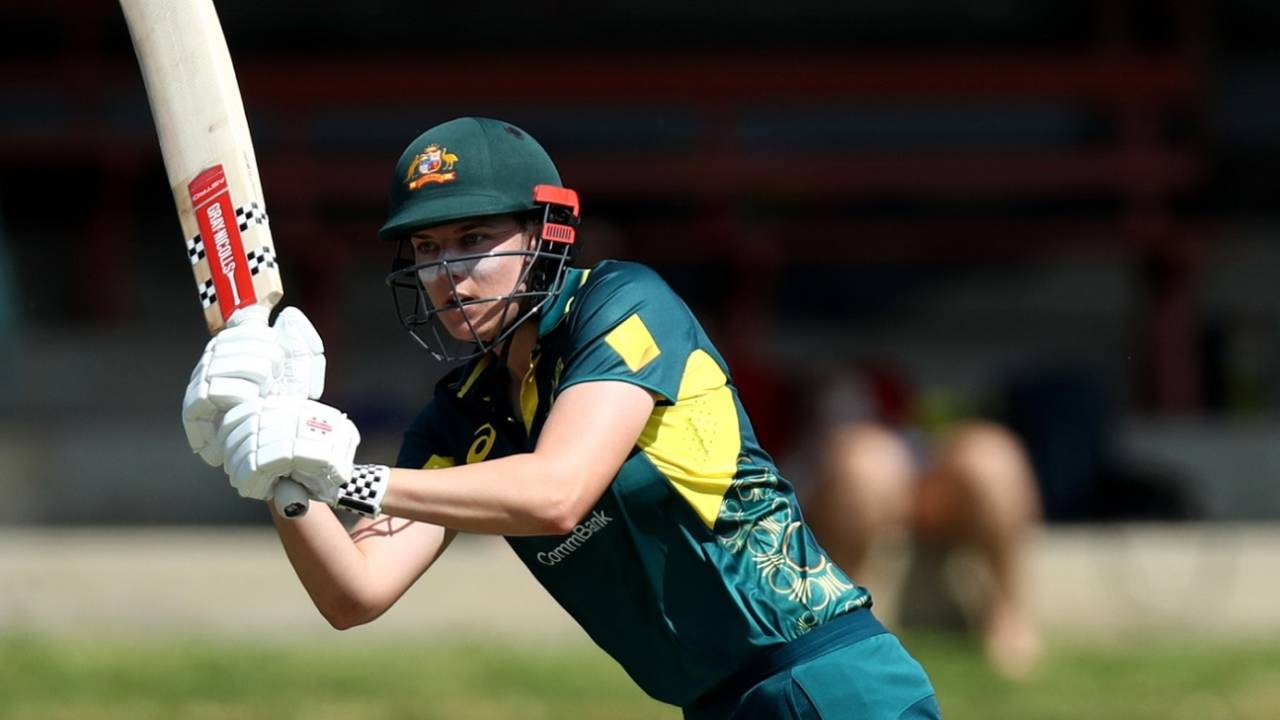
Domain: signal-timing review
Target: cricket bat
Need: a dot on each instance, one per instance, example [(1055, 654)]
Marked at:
[(208, 155)]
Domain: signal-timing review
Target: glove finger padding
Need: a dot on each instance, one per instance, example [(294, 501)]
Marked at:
[(238, 439), (303, 372), (241, 437), (238, 427), (246, 361), (203, 405), (198, 415), (230, 370), (256, 359)]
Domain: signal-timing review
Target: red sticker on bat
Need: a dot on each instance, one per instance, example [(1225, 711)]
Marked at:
[(220, 231)]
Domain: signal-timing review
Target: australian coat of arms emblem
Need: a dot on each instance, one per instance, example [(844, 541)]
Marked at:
[(433, 165)]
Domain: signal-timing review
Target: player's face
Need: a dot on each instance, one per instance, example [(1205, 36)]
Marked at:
[(464, 277)]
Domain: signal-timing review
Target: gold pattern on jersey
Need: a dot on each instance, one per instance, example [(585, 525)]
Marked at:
[(759, 522)]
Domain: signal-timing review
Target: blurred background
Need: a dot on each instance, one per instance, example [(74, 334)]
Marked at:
[(1058, 216)]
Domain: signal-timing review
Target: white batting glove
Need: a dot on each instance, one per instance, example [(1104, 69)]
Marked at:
[(248, 360), (266, 439)]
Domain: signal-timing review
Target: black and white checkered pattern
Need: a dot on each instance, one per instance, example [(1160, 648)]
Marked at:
[(363, 493), (208, 296), (262, 257), (195, 249), (251, 214), (246, 215), (265, 256)]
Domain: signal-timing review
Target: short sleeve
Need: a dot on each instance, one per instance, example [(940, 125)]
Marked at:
[(627, 324), (425, 445)]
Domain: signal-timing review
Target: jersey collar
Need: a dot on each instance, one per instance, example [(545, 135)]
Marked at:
[(555, 311)]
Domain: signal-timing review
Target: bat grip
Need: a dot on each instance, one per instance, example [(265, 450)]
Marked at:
[(290, 499)]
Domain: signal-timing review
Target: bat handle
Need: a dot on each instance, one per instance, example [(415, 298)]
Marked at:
[(290, 499)]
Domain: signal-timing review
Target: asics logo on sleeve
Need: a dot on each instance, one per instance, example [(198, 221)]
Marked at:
[(581, 533)]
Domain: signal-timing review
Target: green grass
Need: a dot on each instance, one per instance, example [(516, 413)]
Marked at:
[(1131, 679), (159, 678)]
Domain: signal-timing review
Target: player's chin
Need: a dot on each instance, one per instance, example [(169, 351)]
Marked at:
[(481, 321)]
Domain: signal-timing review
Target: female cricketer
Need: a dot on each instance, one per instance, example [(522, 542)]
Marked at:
[(592, 424)]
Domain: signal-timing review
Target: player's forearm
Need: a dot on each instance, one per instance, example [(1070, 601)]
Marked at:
[(331, 567), (516, 495)]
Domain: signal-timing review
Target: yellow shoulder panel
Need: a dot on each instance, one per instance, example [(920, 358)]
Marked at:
[(695, 442), (632, 341)]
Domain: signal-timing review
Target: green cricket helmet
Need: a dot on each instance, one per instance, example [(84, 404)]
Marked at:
[(473, 167)]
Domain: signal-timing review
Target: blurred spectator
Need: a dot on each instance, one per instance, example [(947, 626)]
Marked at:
[(968, 484)]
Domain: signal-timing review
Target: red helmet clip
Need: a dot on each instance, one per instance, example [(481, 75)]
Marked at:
[(562, 213)]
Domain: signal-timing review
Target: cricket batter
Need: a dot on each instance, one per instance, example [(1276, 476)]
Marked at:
[(593, 425)]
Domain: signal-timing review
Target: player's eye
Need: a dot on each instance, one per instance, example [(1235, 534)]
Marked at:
[(471, 240), (426, 248)]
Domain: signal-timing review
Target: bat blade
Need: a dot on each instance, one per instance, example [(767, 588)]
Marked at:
[(208, 154), (209, 159)]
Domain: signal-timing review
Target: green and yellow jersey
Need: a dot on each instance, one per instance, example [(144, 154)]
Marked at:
[(696, 557)]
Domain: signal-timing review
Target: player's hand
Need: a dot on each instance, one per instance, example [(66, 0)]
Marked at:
[(266, 439), (248, 360)]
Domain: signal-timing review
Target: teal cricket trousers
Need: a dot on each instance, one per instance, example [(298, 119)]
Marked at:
[(848, 669)]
